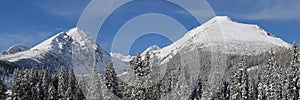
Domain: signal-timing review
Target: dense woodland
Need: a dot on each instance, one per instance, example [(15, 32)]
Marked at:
[(275, 80)]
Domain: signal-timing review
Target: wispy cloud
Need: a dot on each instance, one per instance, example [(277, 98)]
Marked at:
[(66, 8)]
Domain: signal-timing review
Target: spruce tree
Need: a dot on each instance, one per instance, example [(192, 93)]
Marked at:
[(2, 89), (25, 85), (45, 83), (197, 92), (39, 87), (52, 92), (94, 89), (273, 78), (72, 86), (62, 82), (111, 80), (137, 65), (293, 73), (244, 86), (15, 85), (79, 95), (239, 83), (260, 89)]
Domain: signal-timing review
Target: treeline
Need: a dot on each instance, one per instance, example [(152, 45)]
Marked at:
[(271, 82), (3, 87), (29, 84)]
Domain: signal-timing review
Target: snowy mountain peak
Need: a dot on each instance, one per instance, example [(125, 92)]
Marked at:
[(233, 31), (238, 38), (152, 48), (121, 57), (15, 49), (56, 42), (222, 18), (75, 32)]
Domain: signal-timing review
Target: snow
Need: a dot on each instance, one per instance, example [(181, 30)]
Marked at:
[(121, 57), (151, 48), (15, 49), (76, 48), (239, 38), (73, 48)]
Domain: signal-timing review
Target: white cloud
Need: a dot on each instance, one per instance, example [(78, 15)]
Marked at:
[(66, 8)]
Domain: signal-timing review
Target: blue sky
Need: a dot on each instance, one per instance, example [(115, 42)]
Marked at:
[(29, 22)]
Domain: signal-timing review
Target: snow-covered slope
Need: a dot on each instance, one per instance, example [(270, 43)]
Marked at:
[(151, 48), (238, 38), (73, 48), (129, 57), (15, 49)]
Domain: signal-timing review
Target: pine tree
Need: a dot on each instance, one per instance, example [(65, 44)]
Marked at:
[(94, 89), (260, 89), (244, 81), (15, 85), (253, 92), (45, 83), (239, 83), (39, 87), (111, 80), (62, 82), (25, 85), (2, 89), (137, 65), (52, 92), (146, 64), (72, 86), (33, 78), (197, 92), (273, 78), (294, 74), (79, 95)]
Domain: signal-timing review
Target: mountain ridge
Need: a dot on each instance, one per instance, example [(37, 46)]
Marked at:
[(76, 48)]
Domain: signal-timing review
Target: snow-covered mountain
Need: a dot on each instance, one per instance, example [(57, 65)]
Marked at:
[(15, 49), (129, 57), (73, 48), (238, 38)]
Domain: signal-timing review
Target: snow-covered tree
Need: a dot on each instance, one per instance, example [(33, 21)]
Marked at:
[(72, 86), (94, 87), (273, 78), (239, 83), (111, 80), (137, 65), (79, 95), (62, 82), (146, 64), (253, 92), (244, 81), (2, 89), (197, 92), (260, 90), (294, 73), (44, 83), (52, 92)]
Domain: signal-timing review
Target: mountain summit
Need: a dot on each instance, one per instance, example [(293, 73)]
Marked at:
[(237, 38), (73, 48)]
